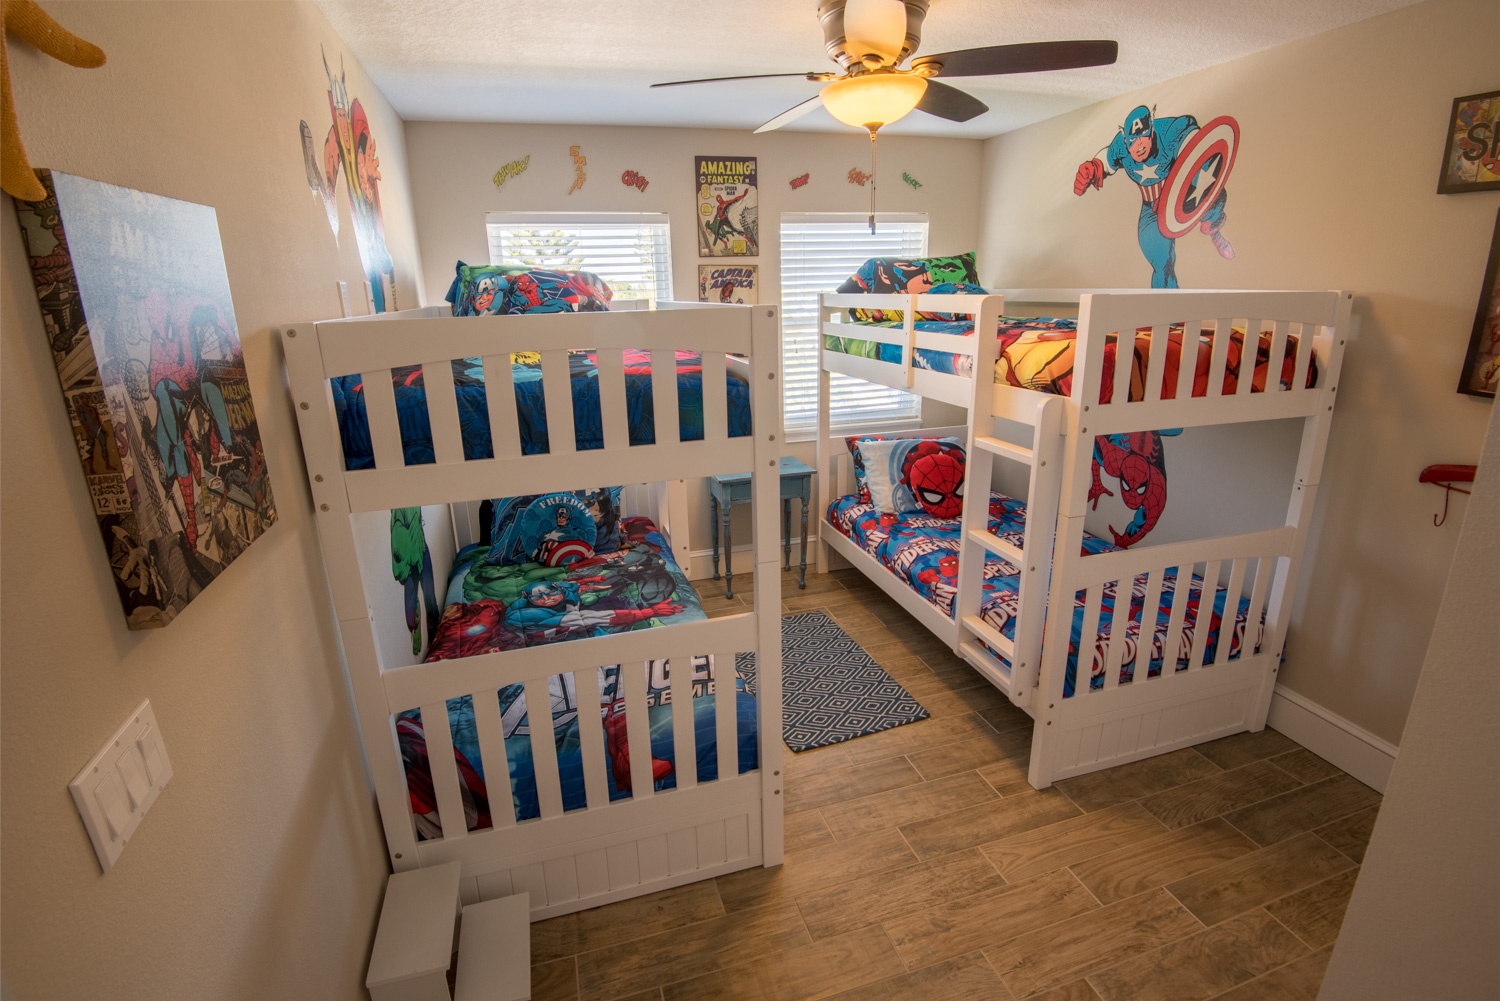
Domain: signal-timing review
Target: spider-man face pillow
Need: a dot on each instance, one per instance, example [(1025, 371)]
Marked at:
[(916, 475)]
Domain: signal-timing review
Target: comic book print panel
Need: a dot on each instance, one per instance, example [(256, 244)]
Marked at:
[(136, 305)]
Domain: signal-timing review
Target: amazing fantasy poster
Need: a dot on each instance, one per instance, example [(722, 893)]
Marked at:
[(136, 306), (729, 283), (728, 206)]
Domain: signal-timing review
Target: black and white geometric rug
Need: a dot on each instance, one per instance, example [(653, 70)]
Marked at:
[(831, 690)]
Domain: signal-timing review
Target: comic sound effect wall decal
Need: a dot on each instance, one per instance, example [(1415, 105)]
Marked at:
[(910, 180), (1181, 171), (510, 170), (579, 163), (857, 176), (798, 182), (634, 179)]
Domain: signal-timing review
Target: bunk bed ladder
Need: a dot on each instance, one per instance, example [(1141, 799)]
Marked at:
[(1009, 663)]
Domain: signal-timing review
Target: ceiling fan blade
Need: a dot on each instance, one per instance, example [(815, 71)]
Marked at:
[(875, 27), (791, 114), (754, 76), (950, 103), (1027, 57)]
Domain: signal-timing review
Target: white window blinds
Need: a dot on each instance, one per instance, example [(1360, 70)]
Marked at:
[(819, 251), (630, 250)]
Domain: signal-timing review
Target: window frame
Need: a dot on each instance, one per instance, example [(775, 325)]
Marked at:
[(906, 413), (661, 251)]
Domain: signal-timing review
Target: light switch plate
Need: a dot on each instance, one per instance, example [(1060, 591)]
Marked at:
[(117, 787)]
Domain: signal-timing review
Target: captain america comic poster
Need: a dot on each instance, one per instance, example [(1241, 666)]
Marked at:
[(729, 283), (728, 206)]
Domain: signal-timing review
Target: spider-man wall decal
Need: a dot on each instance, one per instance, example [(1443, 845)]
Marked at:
[(935, 472), (1137, 460)]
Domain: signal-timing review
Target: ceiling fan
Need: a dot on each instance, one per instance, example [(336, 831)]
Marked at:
[(869, 40)]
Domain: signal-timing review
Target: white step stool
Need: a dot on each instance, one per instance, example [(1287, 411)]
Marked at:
[(494, 951), (414, 942)]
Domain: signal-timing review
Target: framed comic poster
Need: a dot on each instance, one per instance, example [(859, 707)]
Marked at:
[(728, 206), (136, 306), (736, 283), (1471, 156), (1481, 375)]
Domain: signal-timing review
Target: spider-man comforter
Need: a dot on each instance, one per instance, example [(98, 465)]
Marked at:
[(1037, 354), (913, 548), (526, 371), (493, 608)]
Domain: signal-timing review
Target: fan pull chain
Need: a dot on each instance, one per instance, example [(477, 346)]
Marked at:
[(873, 178)]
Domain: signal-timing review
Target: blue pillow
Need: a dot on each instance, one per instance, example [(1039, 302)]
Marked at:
[(554, 529)]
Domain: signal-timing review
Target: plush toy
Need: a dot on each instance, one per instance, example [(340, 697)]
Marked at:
[(31, 24)]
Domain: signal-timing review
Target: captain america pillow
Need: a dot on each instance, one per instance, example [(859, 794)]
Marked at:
[(554, 529), (480, 289)]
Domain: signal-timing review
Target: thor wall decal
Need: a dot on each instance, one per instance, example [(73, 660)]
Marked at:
[(1181, 171), (136, 304), (350, 148)]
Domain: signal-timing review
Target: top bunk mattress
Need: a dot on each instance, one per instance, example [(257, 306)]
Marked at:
[(531, 411), (1037, 353)]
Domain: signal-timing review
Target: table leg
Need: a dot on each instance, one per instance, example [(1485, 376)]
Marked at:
[(713, 518), (786, 533), (728, 553), (802, 570)]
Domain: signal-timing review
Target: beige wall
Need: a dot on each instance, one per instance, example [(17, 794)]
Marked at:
[(452, 164), (1425, 915), (1341, 137), (259, 871)]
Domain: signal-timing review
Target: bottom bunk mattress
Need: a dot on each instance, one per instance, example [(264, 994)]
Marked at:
[(914, 547), (496, 608)]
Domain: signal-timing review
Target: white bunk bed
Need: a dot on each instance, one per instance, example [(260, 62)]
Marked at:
[(566, 859), (1097, 725)]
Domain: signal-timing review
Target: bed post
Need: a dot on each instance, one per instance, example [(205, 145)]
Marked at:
[(325, 467), (1078, 453), (765, 493), (824, 459), (1300, 507)]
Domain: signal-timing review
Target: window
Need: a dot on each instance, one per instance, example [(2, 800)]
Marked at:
[(630, 250), (819, 251)]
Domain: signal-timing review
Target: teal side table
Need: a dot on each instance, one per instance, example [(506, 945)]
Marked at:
[(726, 491)]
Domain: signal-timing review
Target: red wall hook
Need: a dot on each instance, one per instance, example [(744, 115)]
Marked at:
[(1445, 476)]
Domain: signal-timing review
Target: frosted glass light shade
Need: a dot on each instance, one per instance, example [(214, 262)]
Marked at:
[(873, 100)]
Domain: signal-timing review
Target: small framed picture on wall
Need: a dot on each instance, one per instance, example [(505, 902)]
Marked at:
[(1481, 375), (1471, 156)]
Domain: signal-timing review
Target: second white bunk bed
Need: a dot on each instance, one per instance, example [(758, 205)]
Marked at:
[(1216, 681), (620, 830)]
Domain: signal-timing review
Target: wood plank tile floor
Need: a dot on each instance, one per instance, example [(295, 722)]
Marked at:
[(920, 864)]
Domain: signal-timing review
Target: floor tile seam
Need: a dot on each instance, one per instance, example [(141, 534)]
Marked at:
[(1288, 929), (1203, 926), (1267, 905), (1330, 844), (1069, 865), (923, 818)]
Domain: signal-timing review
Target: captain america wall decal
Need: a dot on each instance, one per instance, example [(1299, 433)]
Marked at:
[(1181, 170)]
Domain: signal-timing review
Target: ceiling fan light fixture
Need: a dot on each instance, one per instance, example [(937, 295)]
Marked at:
[(873, 100)]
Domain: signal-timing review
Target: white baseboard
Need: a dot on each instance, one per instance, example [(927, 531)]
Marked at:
[(702, 566), (1333, 738)]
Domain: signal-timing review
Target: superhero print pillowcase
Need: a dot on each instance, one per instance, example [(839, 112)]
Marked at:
[(554, 529), (479, 290), (916, 475), (884, 275), (495, 289)]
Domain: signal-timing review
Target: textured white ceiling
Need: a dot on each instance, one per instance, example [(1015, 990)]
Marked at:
[(589, 62)]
